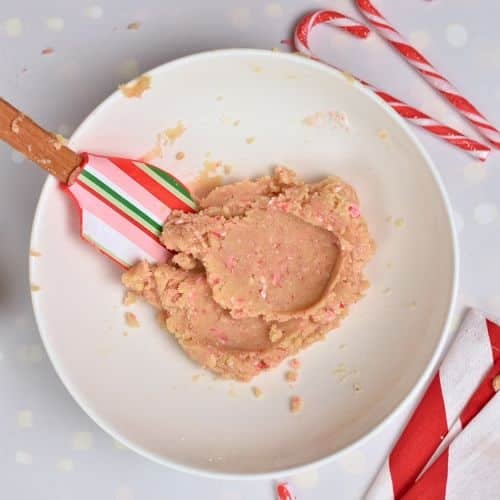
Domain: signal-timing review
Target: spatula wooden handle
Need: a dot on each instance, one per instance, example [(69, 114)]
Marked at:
[(36, 143)]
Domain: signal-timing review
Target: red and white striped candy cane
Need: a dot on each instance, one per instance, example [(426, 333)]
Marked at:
[(429, 73), (301, 40)]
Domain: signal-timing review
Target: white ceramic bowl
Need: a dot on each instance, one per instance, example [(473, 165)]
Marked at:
[(139, 387)]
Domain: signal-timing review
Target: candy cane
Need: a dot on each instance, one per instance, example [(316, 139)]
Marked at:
[(301, 40), (429, 73)]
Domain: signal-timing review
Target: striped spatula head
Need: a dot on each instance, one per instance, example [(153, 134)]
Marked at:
[(123, 205)]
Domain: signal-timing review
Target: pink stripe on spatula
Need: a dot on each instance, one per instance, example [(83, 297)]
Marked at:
[(118, 222), (109, 170)]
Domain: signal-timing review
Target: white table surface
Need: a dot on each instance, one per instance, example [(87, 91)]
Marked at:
[(49, 448)]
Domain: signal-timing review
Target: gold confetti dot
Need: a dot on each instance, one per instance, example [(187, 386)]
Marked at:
[(291, 376), (65, 465), (81, 441), (25, 419), (55, 23), (34, 253), (13, 27), (219, 98), (35, 288), (24, 458), (250, 140), (93, 12)]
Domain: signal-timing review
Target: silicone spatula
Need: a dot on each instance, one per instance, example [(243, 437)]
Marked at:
[(123, 203)]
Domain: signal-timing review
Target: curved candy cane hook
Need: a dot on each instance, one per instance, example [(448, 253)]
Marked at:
[(336, 19), (428, 72)]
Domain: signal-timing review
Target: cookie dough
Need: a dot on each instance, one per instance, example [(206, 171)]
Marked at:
[(265, 268)]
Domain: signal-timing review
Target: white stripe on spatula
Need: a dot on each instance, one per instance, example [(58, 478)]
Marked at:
[(115, 243)]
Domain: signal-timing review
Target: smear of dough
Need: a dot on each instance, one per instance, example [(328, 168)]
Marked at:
[(170, 135)]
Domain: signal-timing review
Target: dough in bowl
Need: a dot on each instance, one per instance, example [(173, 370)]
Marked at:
[(265, 268)]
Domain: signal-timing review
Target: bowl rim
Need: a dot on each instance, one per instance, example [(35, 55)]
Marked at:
[(395, 411)]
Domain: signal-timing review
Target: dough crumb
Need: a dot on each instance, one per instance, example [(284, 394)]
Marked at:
[(325, 119), (496, 383), (129, 298), (172, 134), (137, 87), (342, 346), (131, 320), (275, 333), (196, 377), (250, 140), (125, 334), (296, 404), (388, 218), (291, 376), (34, 253), (14, 126), (387, 291), (341, 372), (35, 288), (256, 68), (257, 392), (294, 363), (413, 306), (236, 123), (350, 78), (383, 134), (356, 387), (47, 51), (179, 156), (134, 26), (219, 98), (228, 169)]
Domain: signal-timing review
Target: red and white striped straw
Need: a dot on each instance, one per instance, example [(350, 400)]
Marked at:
[(429, 73), (332, 18)]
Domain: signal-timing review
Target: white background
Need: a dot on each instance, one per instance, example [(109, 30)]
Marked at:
[(49, 448)]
